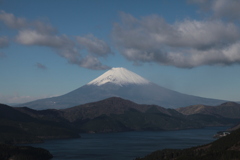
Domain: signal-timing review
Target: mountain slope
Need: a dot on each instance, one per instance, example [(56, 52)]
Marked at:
[(113, 105), (116, 114), (119, 82)]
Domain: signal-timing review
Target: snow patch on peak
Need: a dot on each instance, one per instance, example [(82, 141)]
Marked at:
[(119, 76)]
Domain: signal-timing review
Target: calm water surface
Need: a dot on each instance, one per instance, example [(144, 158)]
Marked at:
[(126, 145)]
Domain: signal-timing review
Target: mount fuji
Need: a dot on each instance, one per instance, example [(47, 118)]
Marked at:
[(120, 82)]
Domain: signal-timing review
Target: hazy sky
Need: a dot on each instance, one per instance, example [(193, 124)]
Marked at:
[(51, 47)]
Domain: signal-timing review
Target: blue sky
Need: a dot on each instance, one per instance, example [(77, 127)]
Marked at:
[(49, 48)]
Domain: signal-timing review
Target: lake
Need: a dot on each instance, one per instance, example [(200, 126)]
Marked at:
[(126, 145)]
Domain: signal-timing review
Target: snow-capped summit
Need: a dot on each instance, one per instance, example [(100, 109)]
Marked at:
[(119, 76)]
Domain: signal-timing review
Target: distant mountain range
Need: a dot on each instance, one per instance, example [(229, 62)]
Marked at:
[(22, 124), (227, 110), (117, 114), (120, 82), (114, 115)]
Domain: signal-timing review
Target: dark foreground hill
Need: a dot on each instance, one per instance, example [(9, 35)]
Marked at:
[(9, 152), (18, 127), (226, 148)]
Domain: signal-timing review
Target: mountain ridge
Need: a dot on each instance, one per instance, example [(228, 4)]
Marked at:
[(119, 82), (115, 115), (109, 115), (113, 105)]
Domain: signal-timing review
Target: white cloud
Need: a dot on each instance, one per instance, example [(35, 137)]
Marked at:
[(42, 34), (220, 8), (67, 48), (186, 44), (14, 22), (33, 37), (92, 62), (94, 45), (44, 28), (193, 58), (2, 55), (205, 34), (41, 66), (226, 8), (4, 42), (11, 21)]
